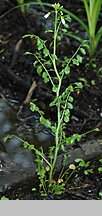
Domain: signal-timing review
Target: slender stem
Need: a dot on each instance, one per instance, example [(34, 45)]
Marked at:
[(45, 70), (56, 135), (54, 49), (40, 154), (74, 55), (69, 176), (37, 151), (57, 95)]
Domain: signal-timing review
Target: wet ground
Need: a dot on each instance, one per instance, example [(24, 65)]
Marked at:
[(16, 162), (17, 176)]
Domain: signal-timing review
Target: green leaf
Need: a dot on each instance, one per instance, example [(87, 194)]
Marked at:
[(68, 18), (100, 160), (70, 106), (49, 31), (54, 89), (97, 129), (64, 30), (25, 144), (35, 108), (71, 140), (67, 70), (46, 122), (79, 85), (67, 26), (66, 119), (46, 52), (53, 128), (70, 99), (100, 169), (35, 63), (79, 160), (39, 70), (4, 198), (83, 51), (54, 57), (6, 138), (33, 189), (40, 44), (75, 62), (28, 53), (72, 167), (79, 58), (45, 76), (31, 147), (54, 102)]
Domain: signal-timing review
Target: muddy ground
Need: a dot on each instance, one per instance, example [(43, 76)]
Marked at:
[(17, 74)]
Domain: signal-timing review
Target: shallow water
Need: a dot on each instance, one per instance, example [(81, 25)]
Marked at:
[(16, 162)]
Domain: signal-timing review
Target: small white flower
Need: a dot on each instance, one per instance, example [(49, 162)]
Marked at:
[(47, 15), (63, 20)]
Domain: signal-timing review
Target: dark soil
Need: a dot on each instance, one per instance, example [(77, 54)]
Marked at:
[(17, 74)]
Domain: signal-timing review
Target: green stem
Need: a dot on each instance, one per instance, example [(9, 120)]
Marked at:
[(45, 70), (74, 54), (57, 95), (37, 151), (55, 41), (57, 135)]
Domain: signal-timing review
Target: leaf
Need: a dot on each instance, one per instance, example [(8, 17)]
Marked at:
[(67, 70), (35, 63), (71, 140), (79, 58), (68, 18), (70, 88), (97, 129), (79, 85), (70, 106), (33, 189), (39, 43), (45, 76), (72, 167), (46, 122), (54, 102), (33, 107), (81, 162), (53, 128), (83, 51), (31, 147), (67, 26), (25, 144), (54, 57), (78, 160), (46, 52), (64, 30), (100, 160), (4, 198), (6, 138), (70, 99), (54, 89), (39, 70), (49, 31), (75, 61), (66, 119), (100, 169), (28, 53)]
